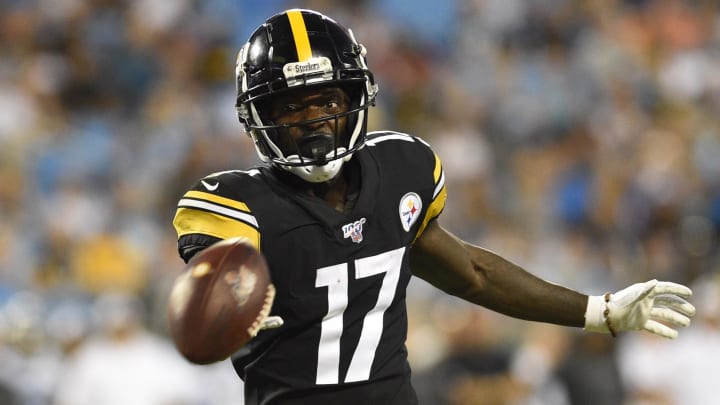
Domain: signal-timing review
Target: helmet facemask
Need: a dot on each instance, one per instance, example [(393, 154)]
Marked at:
[(327, 142)]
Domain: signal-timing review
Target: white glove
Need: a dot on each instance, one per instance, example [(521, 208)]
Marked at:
[(640, 307), (272, 322), (269, 321)]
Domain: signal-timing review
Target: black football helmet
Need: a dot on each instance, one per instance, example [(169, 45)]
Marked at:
[(299, 48)]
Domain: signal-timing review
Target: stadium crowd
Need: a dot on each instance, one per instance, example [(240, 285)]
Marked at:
[(579, 137)]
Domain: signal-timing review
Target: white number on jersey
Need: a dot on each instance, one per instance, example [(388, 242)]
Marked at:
[(336, 279)]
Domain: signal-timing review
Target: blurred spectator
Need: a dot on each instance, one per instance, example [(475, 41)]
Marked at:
[(125, 364), (29, 362), (535, 367), (590, 372), (474, 368), (692, 378)]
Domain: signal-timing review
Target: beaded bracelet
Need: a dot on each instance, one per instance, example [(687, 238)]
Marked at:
[(606, 315)]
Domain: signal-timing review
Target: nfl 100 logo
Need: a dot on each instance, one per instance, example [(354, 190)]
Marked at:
[(354, 230)]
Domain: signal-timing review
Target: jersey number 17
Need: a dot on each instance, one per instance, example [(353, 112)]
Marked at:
[(336, 279)]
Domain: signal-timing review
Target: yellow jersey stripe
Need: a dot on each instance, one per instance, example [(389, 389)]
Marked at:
[(300, 34), (218, 209), (438, 199), (217, 199), (435, 208), (189, 221)]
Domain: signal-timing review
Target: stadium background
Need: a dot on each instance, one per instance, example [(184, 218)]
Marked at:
[(580, 138)]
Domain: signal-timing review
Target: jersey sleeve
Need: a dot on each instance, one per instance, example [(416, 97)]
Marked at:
[(439, 194), (205, 215)]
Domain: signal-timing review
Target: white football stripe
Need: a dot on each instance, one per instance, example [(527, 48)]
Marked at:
[(440, 184), (247, 218), (398, 136)]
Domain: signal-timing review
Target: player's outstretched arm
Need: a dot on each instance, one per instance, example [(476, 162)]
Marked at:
[(485, 278)]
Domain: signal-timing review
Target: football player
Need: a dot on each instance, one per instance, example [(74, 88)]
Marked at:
[(345, 217)]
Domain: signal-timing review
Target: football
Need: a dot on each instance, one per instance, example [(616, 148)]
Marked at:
[(219, 301)]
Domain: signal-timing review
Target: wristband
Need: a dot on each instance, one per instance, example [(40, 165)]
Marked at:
[(606, 315), (595, 318)]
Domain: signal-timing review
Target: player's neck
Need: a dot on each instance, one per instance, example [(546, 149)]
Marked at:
[(332, 192), (340, 193)]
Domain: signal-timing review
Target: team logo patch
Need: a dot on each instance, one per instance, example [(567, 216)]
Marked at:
[(354, 230), (410, 207)]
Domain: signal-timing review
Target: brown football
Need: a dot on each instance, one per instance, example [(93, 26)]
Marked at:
[(219, 301)]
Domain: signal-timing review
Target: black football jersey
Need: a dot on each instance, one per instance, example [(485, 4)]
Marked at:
[(340, 278)]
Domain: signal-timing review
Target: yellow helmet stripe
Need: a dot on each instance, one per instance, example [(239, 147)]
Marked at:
[(300, 34)]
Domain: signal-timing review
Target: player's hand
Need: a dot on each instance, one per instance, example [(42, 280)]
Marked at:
[(272, 322), (658, 307)]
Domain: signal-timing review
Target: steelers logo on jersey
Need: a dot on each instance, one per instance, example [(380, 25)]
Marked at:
[(410, 207)]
